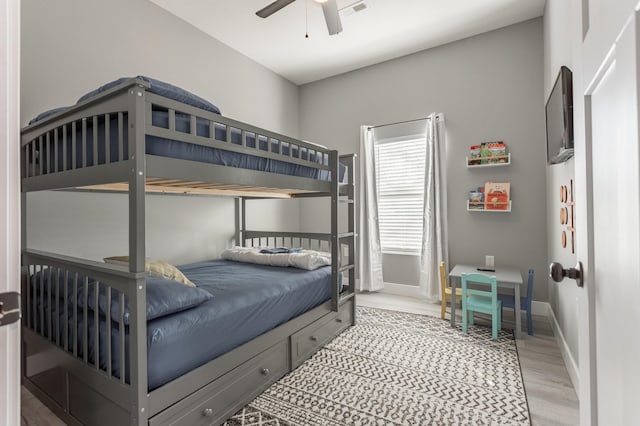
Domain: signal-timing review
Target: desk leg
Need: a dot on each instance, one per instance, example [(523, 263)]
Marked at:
[(453, 301), (517, 310)]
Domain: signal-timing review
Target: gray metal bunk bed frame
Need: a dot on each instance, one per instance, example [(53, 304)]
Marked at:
[(60, 373)]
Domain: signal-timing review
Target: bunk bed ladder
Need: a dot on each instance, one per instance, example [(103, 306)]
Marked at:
[(346, 195), (336, 246)]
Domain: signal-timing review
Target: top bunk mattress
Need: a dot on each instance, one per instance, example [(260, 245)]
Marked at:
[(104, 139)]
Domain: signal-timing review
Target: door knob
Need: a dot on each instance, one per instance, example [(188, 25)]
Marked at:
[(557, 273), (9, 308)]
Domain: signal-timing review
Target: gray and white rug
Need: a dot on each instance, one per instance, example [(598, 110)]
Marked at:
[(395, 368)]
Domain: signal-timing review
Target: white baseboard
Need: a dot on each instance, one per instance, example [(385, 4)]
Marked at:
[(402, 290), (537, 308), (540, 308), (570, 363)]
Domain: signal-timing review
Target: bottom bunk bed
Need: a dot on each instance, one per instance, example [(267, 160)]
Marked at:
[(211, 348)]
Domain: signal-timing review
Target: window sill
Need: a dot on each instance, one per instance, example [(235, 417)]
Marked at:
[(401, 253)]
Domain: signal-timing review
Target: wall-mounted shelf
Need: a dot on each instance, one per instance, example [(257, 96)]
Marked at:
[(474, 207), (506, 158)]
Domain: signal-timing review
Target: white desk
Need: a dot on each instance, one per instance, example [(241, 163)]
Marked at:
[(507, 278)]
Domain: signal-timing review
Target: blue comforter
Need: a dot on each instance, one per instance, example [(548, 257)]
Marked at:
[(246, 301)]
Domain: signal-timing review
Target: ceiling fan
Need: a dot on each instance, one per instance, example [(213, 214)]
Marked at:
[(329, 7)]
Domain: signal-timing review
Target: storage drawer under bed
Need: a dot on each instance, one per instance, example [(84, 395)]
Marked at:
[(310, 339), (217, 401)]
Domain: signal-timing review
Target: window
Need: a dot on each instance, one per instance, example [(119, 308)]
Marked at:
[(400, 164)]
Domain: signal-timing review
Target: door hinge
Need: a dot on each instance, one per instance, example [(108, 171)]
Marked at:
[(9, 308)]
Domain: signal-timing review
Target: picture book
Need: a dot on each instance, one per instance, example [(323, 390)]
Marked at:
[(497, 152), (474, 155), (496, 195)]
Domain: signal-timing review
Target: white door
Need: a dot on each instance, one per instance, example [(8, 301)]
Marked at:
[(9, 205), (612, 365)]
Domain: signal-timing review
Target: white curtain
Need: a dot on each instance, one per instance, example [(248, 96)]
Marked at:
[(434, 242), (370, 262)]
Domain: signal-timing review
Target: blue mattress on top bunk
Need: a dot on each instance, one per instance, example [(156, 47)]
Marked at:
[(182, 150), (242, 301), (187, 151)]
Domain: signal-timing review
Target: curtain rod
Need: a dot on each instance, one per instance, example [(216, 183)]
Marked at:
[(438, 116)]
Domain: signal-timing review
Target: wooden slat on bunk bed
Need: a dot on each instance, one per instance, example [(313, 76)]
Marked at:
[(200, 188)]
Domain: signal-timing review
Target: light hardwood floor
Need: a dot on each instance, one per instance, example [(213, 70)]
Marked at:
[(552, 400)]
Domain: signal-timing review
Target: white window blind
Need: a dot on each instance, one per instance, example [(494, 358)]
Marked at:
[(400, 168)]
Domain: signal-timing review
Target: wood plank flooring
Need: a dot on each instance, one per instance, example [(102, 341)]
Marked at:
[(35, 413), (552, 400)]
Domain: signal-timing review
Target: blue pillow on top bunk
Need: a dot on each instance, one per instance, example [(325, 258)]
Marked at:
[(47, 113), (162, 89)]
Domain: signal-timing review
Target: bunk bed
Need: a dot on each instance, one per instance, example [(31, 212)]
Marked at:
[(96, 349)]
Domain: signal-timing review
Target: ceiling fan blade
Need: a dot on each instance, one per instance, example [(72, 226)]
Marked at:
[(332, 17), (273, 8)]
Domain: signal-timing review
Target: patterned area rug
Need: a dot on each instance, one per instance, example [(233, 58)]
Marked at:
[(395, 368)]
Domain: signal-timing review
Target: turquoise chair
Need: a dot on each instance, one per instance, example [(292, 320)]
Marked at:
[(476, 300), (509, 301)]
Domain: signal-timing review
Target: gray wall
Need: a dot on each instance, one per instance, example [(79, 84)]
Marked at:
[(490, 87), (560, 25), (70, 47)]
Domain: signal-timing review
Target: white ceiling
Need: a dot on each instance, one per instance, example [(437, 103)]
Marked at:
[(386, 29)]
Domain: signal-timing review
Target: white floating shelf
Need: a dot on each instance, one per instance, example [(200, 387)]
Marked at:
[(471, 209), (478, 166)]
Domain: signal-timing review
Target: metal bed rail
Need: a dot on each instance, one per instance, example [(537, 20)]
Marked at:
[(80, 307)]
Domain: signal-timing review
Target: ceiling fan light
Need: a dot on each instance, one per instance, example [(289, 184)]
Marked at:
[(321, 1)]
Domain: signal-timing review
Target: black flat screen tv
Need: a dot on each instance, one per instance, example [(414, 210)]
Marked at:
[(559, 119)]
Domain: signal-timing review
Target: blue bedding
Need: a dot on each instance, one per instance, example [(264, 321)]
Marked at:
[(247, 301), (187, 151), (177, 149)]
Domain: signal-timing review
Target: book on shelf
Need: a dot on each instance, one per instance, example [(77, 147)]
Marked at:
[(474, 155), (474, 205), (497, 195), (476, 199), (488, 153), (497, 152)]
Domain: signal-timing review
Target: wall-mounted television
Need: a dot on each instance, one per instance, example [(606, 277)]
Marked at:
[(559, 117)]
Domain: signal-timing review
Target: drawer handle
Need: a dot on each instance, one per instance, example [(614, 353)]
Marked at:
[(339, 319), (207, 412), (265, 371), (314, 338)]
